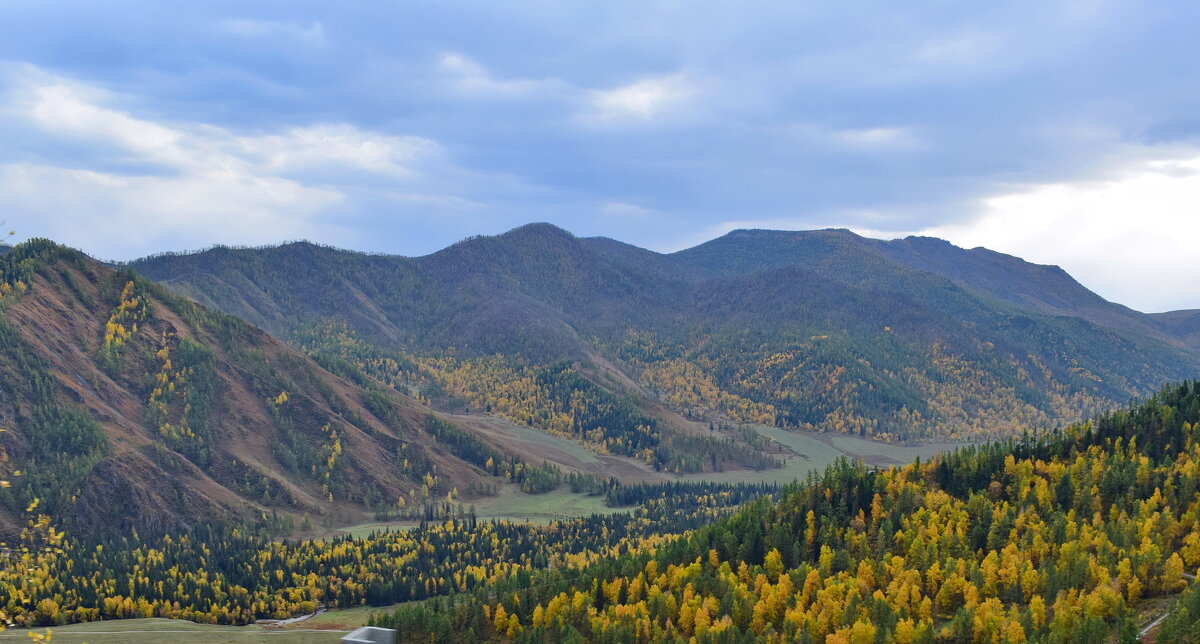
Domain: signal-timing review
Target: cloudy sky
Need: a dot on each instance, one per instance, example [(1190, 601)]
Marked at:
[(1064, 132)]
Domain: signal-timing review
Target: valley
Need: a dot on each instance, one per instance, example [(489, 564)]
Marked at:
[(801, 453), (541, 445)]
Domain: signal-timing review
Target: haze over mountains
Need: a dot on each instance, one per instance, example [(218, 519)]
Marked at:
[(910, 338)]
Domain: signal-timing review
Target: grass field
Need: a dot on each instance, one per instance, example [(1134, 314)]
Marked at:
[(510, 504), (814, 451), (148, 631), (347, 619), (363, 529), (531, 443), (804, 452), (515, 505), (323, 628), (535, 446)]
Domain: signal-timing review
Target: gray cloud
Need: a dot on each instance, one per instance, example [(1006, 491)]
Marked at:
[(657, 123)]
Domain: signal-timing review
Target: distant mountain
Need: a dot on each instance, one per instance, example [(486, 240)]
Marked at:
[(844, 255), (127, 406), (532, 290), (912, 338), (1184, 324)]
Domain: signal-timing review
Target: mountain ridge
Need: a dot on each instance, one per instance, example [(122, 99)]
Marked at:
[(986, 271), (918, 317)]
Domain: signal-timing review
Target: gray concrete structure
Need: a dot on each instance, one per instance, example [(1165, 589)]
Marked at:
[(370, 635)]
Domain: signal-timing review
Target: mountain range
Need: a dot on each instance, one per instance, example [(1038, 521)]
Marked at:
[(235, 385), (906, 339)]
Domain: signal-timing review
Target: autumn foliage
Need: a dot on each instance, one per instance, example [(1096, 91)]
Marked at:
[(1055, 537)]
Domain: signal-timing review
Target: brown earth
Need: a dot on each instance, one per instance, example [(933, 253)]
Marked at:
[(534, 447), (141, 482)]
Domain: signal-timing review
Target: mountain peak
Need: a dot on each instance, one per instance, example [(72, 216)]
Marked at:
[(538, 229), (925, 240), (771, 233), (537, 233)]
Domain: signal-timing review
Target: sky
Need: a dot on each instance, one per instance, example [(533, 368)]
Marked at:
[(1063, 132)]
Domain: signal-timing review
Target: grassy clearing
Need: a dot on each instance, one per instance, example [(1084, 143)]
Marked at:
[(815, 451), (535, 446), (514, 505), (532, 444), (811, 451), (828, 446), (149, 631), (363, 529), (899, 453), (511, 504), (323, 628), (347, 619)]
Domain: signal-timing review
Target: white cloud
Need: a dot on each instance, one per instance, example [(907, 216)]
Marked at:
[(343, 144), (964, 49), (644, 100), (867, 138), (1131, 238), (128, 216), (72, 110), (189, 181), (623, 209), (471, 77), (878, 136), (312, 33)]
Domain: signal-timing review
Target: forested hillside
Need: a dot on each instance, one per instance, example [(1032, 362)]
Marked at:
[(1059, 536), (840, 254), (128, 407), (228, 575), (1184, 324), (1054, 537), (908, 339)]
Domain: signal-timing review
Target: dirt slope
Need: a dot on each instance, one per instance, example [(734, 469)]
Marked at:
[(192, 424)]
